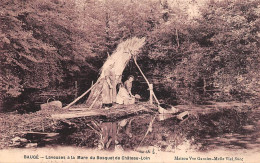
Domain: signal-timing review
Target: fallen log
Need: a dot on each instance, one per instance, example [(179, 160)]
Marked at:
[(46, 134), (41, 134)]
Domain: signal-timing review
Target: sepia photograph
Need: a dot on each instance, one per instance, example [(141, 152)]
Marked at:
[(130, 81)]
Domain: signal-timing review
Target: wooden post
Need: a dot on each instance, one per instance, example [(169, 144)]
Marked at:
[(76, 89), (204, 86), (177, 39), (151, 93)]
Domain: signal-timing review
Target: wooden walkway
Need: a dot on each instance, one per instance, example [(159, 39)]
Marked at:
[(118, 112), (113, 114)]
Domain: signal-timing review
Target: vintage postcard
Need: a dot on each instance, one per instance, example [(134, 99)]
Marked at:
[(130, 81)]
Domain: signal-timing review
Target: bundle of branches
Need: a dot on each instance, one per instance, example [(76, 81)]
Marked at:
[(117, 61)]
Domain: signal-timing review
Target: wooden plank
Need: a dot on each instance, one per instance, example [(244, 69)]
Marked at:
[(79, 109), (112, 114), (122, 113), (76, 115)]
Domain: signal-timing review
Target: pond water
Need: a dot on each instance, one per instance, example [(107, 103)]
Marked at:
[(246, 136), (227, 129)]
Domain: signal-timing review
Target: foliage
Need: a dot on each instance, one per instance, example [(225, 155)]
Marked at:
[(235, 45), (218, 51), (50, 44)]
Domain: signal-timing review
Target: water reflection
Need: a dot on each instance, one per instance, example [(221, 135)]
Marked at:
[(168, 133), (110, 131)]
